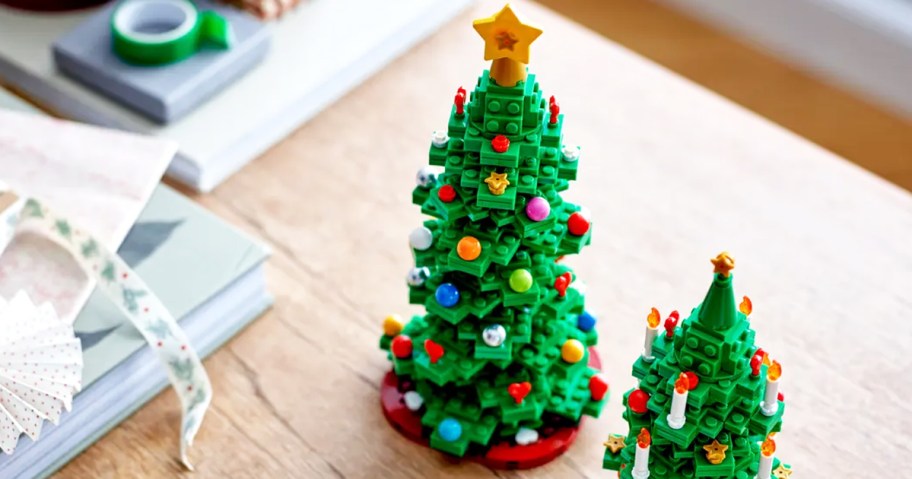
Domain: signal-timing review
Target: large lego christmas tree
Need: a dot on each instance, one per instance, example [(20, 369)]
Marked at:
[(501, 357), (707, 402)]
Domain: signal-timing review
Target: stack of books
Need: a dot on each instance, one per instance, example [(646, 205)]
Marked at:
[(206, 272), (319, 51)]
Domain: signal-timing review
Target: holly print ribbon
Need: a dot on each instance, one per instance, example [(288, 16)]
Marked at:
[(125, 288)]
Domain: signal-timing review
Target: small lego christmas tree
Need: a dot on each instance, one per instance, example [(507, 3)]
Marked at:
[(707, 404), (499, 367)]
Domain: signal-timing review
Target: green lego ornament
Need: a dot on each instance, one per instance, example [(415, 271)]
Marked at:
[(505, 364), (707, 402)]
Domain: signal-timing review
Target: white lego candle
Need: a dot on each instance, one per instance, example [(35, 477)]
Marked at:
[(652, 330), (770, 404), (677, 418), (641, 460), (767, 451)]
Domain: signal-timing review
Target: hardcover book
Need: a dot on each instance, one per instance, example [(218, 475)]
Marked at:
[(206, 272)]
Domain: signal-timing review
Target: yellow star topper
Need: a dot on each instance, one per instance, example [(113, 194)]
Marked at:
[(715, 452), (497, 183), (723, 263), (507, 42)]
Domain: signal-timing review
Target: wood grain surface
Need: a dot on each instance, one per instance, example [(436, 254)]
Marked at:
[(673, 174)]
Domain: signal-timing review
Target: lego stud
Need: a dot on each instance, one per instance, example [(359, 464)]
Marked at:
[(500, 144), (638, 401), (520, 280), (450, 430), (421, 238), (538, 209), (468, 248), (413, 400), (598, 387), (447, 295), (446, 193), (434, 350), (417, 276), (439, 139), (570, 153), (392, 325), (572, 351), (525, 436), (426, 177), (401, 346), (497, 183), (494, 335), (578, 224), (585, 322), (519, 391)]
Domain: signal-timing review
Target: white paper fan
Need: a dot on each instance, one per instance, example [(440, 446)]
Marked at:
[(40, 368)]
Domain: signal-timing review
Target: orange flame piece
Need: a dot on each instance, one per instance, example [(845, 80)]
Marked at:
[(644, 439), (746, 306), (768, 447), (774, 371), (682, 384), (653, 318)]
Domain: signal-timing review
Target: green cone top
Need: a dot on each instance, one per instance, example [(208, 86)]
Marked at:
[(718, 311)]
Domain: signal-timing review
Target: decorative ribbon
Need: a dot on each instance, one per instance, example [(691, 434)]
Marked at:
[(124, 287)]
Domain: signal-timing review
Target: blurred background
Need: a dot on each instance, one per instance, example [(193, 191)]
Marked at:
[(837, 72)]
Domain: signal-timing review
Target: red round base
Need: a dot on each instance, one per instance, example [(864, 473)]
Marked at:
[(502, 455)]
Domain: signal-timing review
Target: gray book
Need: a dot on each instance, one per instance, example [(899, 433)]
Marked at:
[(206, 272)]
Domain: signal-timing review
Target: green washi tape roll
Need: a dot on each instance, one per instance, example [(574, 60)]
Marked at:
[(157, 32)]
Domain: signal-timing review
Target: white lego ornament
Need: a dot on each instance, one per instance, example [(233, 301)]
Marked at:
[(421, 238), (526, 436), (494, 335), (426, 177), (417, 276), (413, 400)]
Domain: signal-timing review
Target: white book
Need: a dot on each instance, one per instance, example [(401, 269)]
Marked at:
[(319, 51)]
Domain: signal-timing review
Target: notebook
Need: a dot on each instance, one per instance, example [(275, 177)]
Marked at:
[(206, 272)]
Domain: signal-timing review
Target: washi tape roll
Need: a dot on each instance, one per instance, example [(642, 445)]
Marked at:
[(157, 32)]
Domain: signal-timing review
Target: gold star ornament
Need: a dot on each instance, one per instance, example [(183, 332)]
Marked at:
[(782, 472), (507, 42), (497, 183), (715, 452), (723, 264), (615, 443)]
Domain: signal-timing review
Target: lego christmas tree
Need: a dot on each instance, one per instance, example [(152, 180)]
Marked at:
[(707, 404), (501, 360)]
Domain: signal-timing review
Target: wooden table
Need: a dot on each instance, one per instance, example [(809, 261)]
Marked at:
[(672, 174)]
